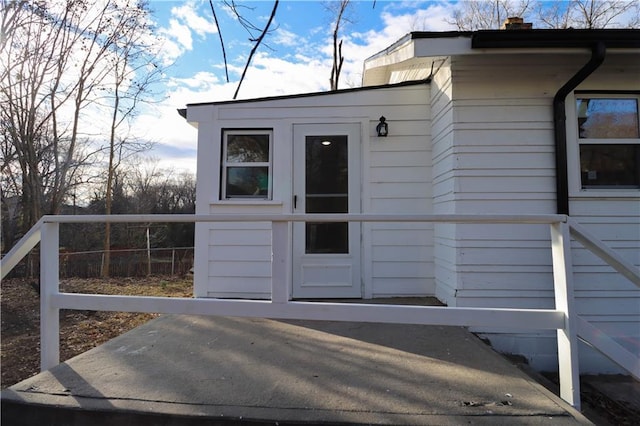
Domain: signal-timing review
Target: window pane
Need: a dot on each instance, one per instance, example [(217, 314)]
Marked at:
[(327, 237), (326, 187), (608, 118), (326, 165), (327, 204), (247, 148), (247, 182), (610, 166)]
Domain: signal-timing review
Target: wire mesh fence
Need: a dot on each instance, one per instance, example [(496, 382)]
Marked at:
[(122, 263)]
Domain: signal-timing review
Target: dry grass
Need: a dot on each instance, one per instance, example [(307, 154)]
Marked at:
[(79, 330)]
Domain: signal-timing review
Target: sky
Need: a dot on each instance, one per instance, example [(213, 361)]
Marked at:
[(296, 57)]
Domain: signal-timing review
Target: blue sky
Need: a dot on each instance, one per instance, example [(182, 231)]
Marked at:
[(295, 58), (301, 32)]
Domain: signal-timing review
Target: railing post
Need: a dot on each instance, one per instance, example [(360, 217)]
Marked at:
[(49, 286), (279, 261), (568, 368)]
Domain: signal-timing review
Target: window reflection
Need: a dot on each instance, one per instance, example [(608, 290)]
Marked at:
[(248, 148), (246, 165), (600, 118), (247, 181)]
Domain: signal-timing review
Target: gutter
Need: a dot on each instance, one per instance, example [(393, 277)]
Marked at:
[(598, 52)]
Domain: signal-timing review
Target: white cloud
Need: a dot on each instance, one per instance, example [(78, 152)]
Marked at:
[(200, 81), (432, 18), (272, 76), (178, 36), (287, 38), (188, 15), (180, 33)]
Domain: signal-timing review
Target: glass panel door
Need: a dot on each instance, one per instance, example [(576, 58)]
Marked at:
[(326, 180)]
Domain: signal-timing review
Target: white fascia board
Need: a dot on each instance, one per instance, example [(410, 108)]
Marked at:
[(447, 46), (421, 47), (398, 54), (200, 113), (378, 68)]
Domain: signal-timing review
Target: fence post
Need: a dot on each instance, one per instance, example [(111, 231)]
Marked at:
[(568, 368), (49, 286), (279, 262), (148, 253)]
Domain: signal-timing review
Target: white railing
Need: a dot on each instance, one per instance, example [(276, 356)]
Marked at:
[(563, 318)]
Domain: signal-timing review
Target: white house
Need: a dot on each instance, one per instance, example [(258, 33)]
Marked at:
[(504, 122)]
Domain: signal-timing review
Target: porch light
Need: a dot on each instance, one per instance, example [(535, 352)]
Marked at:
[(382, 128), (326, 143)]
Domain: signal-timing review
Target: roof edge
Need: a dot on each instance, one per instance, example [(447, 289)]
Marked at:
[(416, 35), (312, 94), (555, 38)]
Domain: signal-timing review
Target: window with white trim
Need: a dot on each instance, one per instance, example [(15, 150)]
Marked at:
[(246, 164), (608, 129)]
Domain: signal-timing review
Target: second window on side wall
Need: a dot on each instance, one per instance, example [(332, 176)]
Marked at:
[(609, 141), (246, 164)]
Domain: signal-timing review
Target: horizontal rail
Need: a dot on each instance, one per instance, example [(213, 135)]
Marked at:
[(521, 319), (347, 217)]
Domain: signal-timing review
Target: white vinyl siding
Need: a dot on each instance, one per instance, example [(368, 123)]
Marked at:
[(503, 151), (400, 256), (502, 162), (444, 184), (396, 260)]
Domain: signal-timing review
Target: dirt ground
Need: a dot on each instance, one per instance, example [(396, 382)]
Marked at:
[(79, 330), (83, 330)]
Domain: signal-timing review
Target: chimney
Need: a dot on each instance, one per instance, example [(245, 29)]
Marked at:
[(516, 23)]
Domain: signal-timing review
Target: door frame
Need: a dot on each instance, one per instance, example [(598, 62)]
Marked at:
[(343, 264)]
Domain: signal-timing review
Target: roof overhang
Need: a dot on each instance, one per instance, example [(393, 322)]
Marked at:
[(199, 112), (415, 45), (421, 49)]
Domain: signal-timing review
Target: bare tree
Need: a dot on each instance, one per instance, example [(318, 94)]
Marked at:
[(34, 53), (487, 14), (490, 14), (134, 72), (55, 58), (589, 14), (338, 9)]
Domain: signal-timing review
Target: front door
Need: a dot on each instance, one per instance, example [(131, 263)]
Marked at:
[(326, 256)]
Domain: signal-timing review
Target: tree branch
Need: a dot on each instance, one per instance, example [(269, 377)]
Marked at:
[(224, 53), (256, 45)]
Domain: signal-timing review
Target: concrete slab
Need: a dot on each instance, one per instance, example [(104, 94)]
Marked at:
[(186, 369)]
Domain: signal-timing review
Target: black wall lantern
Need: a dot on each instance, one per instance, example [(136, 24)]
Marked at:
[(382, 128)]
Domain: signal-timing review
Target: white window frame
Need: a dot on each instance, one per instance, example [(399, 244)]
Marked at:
[(574, 142), (224, 164)]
